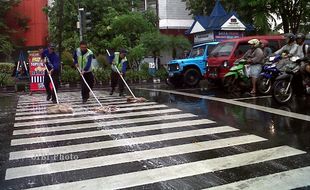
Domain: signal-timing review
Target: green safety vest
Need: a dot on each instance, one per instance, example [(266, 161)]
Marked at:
[(82, 59), (117, 63)]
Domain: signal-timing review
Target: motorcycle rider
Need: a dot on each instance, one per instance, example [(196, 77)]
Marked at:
[(266, 49), (302, 48), (255, 60), (290, 48)]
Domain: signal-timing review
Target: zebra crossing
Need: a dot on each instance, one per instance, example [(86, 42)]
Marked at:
[(141, 146)]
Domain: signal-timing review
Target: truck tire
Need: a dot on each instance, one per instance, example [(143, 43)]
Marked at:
[(176, 82), (192, 77)]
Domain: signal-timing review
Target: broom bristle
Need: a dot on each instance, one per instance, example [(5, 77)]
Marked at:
[(106, 109), (136, 100), (60, 108)]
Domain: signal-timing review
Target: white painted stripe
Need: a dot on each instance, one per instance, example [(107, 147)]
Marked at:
[(77, 99), (177, 171), (41, 169), (120, 142), (95, 117), (291, 179), (79, 109), (77, 102), (44, 139), (238, 103), (48, 116), (117, 123), (252, 97), (43, 108)]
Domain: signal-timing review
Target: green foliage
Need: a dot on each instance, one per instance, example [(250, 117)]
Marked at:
[(154, 42), (258, 12), (6, 68), (69, 75), (67, 58), (7, 45), (102, 75), (135, 56), (103, 62), (178, 43), (161, 73), (118, 42)]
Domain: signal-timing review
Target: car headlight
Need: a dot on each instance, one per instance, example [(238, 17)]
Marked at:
[(225, 64)]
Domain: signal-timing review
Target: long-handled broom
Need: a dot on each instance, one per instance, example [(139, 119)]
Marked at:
[(132, 99), (59, 108), (101, 109)]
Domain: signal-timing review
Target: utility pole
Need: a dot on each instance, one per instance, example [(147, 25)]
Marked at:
[(80, 24)]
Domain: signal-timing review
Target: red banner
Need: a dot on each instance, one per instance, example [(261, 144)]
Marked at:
[(37, 70)]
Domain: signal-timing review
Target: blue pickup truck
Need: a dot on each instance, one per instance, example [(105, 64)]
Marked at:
[(190, 71)]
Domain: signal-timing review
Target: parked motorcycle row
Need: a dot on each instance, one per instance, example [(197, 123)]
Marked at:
[(281, 77)]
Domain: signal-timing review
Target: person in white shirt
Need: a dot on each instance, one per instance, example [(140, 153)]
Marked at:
[(302, 49)]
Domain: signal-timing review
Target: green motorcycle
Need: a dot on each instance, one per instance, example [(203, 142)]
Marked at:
[(237, 79)]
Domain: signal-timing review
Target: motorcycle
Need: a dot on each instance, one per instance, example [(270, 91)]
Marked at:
[(268, 75), (291, 81), (237, 77)]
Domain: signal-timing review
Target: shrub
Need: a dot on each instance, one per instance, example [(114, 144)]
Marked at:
[(103, 62), (69, 75), (7, 68), (67, 58), (161, 73), (102, 75)]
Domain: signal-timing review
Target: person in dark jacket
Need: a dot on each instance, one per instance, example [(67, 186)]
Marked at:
[(82, 60), (118, 60), (51, 59)]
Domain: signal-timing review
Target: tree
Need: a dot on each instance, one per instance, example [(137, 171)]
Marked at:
[(178, 43), (260, 12), (7, 44)]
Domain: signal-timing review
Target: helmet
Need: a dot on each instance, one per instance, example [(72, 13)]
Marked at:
[(289, 37), (254, 42), (52, 46), (300, 36)]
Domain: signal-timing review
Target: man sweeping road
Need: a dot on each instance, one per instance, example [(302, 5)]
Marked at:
[(52, 62), (82, 60), (119, 60)]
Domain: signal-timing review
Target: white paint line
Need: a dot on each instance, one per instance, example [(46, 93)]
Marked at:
[(291, 179), (41, 169), (120, 142), (79, 109), (101, 125), (177, 171), (94, 117), (252, 98), (76, 99), (238, 103), (43, 108), (70, 136), (69, 102), (48, 116)]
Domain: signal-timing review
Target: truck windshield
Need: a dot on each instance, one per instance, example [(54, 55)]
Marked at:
[(197, 51), (223, 49)]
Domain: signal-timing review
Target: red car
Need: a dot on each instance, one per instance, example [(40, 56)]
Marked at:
[(227, 52)]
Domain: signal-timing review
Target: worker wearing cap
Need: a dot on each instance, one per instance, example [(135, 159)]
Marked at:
[(51, 59), (82, 59), (118, 60)]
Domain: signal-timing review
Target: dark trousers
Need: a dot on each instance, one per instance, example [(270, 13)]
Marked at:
[(116, 79), (89, 77), (47, 81)]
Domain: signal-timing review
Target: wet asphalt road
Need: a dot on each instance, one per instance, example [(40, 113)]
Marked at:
[(291, 134)]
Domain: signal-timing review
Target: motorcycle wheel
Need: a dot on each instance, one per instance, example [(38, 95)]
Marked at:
[(264, 85), (230, 84), (279, 93)]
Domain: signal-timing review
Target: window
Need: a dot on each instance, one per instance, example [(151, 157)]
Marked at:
[(233, 20), (223, 49), (241, 49), (210, 48)]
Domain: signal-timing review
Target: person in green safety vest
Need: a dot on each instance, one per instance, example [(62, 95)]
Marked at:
[(119, 60), (83, 59)]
